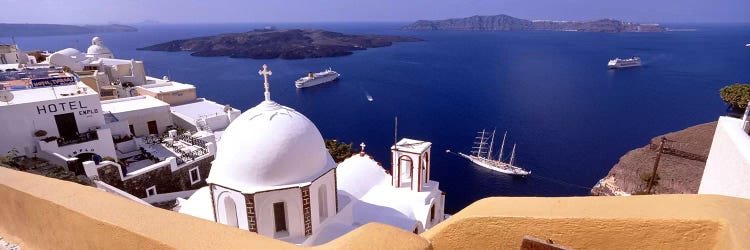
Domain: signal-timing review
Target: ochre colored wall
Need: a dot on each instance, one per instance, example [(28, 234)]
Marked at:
[(636, 222), (43, 213)]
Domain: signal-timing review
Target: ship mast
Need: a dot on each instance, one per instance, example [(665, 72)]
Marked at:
[(512, 154), (492, 142), (480, 143), (502, 148)]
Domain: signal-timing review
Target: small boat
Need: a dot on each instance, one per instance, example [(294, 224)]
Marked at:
[(313, 79), (747, 45), (482, 156), (618, 63)]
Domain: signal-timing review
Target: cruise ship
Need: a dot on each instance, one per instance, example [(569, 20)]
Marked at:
[(313, 79), (624, 63)]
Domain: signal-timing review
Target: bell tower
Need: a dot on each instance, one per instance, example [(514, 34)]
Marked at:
[(410, 161)]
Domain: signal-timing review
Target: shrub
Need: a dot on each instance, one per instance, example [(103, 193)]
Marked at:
[(736, 95), (10, 158), (339, 150)]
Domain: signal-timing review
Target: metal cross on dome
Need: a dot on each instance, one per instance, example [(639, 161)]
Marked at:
[(265, 73), (362, 145)]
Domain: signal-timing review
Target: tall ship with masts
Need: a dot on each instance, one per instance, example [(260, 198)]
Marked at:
[(481, 155)]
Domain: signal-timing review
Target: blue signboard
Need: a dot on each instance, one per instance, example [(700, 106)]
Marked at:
[(52, 81)]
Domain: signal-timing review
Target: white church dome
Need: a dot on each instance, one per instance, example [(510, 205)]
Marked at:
[(97, 47), (269, 145)]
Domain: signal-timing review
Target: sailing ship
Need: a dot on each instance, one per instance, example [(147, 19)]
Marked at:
[(482, 155)]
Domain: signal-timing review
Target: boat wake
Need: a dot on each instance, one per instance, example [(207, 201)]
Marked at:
[(367, 94)]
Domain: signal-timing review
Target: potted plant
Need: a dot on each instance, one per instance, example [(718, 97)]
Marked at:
[(40, 133)]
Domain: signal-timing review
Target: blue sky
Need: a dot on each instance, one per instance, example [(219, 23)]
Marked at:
[(282, 11)]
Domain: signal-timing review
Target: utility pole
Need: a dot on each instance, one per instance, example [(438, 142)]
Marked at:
[(656, 165)]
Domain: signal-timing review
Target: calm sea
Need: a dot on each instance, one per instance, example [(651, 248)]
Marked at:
[(570, 116)]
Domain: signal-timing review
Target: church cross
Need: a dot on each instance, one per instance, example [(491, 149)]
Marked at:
[(265, 72), (362, 145)]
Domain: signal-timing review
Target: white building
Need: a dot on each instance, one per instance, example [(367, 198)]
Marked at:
[(174, 93), (727, 170), (10, 54), (99, 58), (62, 123), (144, 115), (273, 175)]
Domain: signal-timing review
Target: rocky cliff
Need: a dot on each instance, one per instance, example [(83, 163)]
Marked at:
[(284, 44), (507, 23), (680, 168)]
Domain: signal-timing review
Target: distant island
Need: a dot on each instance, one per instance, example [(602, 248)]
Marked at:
[(508, 23), (284, 44), (22, 29)]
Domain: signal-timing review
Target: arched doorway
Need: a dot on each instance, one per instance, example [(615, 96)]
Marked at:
[(230, 212), (406, 170)]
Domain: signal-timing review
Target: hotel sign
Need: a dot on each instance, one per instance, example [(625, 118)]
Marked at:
[(52, 81), (66, 107)]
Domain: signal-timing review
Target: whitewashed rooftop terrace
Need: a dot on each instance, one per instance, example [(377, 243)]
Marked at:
[(67, 92), (128, 104)]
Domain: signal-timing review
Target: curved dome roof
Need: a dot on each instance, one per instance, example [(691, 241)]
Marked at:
[(269, 145), (97, 47), (97, 50)]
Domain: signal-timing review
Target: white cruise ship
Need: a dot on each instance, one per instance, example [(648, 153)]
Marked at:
[(313, 79), (624, 63)]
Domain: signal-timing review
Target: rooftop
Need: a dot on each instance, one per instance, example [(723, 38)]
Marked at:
[(412, 145), (66, 92), (157, 85), (128, 104), (113, 61), (200, 107)]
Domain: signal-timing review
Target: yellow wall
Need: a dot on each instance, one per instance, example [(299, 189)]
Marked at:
[(44, 213), (636, 222)]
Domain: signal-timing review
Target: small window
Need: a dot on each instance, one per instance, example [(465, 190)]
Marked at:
[(151, 191), (432, 212), (279, 214), (195, 175)]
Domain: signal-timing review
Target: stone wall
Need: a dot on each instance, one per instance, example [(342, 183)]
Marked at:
[(163, 178)]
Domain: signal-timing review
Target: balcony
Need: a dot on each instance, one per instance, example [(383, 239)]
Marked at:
[(88, 136)]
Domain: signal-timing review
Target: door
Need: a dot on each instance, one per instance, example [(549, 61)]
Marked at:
[(279, 215), (66, 125), (152, 128)]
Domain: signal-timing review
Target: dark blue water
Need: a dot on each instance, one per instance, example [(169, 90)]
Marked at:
[(571, 117)]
